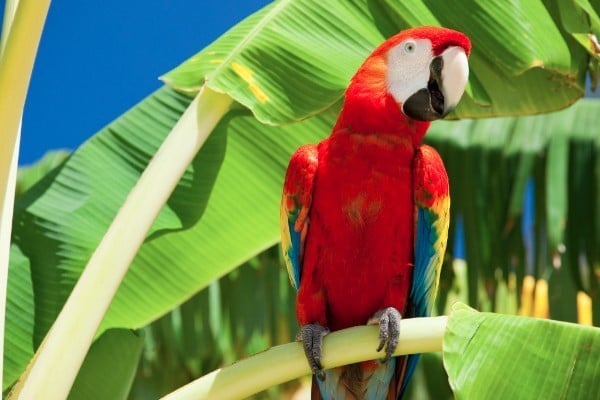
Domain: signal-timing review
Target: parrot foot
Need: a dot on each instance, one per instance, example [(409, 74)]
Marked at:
[(311, 336), (388, 320)]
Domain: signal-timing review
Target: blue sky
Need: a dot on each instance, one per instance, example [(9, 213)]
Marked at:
[(99, 58)]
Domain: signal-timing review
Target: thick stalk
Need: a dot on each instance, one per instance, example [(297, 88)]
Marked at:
[(16, 64), (60, 356), (21, 31), (10, 7), (283, 363)]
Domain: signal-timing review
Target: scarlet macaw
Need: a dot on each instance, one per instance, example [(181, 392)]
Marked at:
[(365, 213)]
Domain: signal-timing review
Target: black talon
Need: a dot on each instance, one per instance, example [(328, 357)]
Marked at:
[(311, 337), (388, 320)]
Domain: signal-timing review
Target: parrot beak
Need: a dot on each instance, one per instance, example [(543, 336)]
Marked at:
[(448, 75)]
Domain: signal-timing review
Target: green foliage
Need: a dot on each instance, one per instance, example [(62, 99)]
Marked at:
[(525, 57), (30, 175), (245, 312), (109, 367), (322, 43), (539, 358), (290, 62), (232, 187), (18, 332), (490, 162)]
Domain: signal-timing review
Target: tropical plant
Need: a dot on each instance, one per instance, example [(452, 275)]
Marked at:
[(24, 22), (479, 151), (271, 83)]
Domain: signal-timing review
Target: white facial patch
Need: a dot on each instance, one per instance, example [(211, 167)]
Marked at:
[(408, 68)]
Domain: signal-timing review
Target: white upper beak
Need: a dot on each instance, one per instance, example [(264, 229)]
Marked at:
[(455, 74)]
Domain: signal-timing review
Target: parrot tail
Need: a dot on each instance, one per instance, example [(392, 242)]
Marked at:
[(371, 380)]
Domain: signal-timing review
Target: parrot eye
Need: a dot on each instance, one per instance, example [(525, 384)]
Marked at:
[(410, 47)]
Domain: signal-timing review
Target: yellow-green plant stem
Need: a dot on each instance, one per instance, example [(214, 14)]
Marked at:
[(16, 64), (10, 6), (60, 356), (283, 363), (21, 31)]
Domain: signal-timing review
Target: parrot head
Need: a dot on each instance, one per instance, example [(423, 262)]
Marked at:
[(416, 76), (427, 70)]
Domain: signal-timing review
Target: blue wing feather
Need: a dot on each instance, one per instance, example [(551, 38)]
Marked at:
[(425, 275), (431, 234), (294, 252), (424, 252)]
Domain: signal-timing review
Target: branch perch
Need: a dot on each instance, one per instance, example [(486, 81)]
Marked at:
[(286, 362)]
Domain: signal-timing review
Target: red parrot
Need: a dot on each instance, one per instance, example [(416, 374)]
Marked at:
[(365, 212)]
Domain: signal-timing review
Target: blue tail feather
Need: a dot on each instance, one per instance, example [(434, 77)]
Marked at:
[(352, 381)]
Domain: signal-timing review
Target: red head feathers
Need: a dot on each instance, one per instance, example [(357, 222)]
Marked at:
[(413, 77)]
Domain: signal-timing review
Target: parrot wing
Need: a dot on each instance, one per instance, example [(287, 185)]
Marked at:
[(432, 199), (295, 208)]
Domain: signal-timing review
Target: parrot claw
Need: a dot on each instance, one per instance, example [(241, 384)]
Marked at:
[(388, 320), (311, 336)]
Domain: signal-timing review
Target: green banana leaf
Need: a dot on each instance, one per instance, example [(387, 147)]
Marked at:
[(528, 57), (18, 333), (223, 212), (109, 367), (225, 209), (507, 357), (29, 175)]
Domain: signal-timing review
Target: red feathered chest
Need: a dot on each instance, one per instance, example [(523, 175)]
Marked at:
[(360, 240)]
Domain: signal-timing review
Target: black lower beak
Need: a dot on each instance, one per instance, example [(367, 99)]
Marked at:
[(427, 104)]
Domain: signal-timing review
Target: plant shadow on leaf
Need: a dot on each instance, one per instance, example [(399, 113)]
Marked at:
[(28, 225), (19, 308), (109, 367), (28, 176), (190, 197)]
